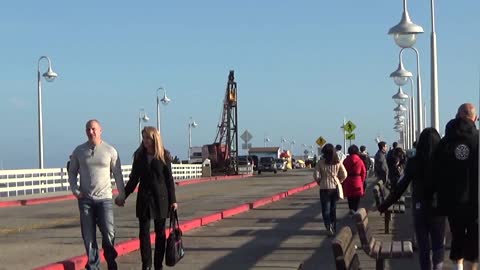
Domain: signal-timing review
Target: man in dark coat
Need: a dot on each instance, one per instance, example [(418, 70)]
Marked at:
[(457, 184), (381, 168)]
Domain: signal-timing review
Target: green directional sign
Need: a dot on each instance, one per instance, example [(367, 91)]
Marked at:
[(350, 136), (349, 127)]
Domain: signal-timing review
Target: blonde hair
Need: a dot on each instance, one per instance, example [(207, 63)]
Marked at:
[(154, 134)]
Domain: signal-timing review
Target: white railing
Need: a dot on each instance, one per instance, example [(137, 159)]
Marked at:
[(36, 181)]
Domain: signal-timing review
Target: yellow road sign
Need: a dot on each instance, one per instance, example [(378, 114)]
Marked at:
[(350, 136), (321, 141), (349, 126)]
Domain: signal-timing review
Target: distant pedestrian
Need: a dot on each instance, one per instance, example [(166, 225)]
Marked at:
[(381, 168), (152, 168), (353, 187), (366, 161), (457, 173), (396, 164), (340, 154), (429, 228), (329, 173), (94, 160)]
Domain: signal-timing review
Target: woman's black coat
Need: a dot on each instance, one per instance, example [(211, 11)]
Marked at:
[(156, 191)]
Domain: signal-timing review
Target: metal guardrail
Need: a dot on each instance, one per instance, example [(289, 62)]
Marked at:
[(37, 181)]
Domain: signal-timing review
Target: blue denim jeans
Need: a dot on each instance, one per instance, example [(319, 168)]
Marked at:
[(328, 200), (98, 213), (430, 233)]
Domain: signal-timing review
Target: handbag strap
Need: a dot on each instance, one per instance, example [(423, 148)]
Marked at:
[(174, 224)]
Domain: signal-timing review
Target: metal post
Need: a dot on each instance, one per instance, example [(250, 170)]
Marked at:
[(140, 127), (344, 137), (189, 140), (412, 105), (434, 80), (420, 124), (158, 112), (40, 123)]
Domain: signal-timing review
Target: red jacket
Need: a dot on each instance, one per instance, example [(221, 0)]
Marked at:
[(356, 175)]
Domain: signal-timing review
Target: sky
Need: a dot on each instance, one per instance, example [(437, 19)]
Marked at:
[(301, 68)]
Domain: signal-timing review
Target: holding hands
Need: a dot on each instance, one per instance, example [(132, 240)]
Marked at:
[(120, 200)]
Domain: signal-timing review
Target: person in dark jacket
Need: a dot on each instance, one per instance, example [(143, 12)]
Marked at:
[(381, 168), (457, 174), (429, 228), (156, 194), (396, 164)]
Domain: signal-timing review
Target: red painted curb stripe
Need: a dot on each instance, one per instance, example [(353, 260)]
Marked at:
[(211, 218), (11, 203), (260, 202), (235, 210)]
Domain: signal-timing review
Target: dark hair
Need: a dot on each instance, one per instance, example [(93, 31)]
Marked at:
[(338, 147), (394, 145), (353, 149), (381, 145), (363, 148), (329, 154), (427, 142)]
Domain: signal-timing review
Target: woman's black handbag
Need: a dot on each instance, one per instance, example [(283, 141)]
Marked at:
[(174, 251)]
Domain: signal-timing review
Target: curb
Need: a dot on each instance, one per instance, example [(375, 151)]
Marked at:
[(128, 246), (28, 202)]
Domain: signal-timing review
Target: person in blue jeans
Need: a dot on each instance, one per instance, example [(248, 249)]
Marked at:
[(329, 173), (429, 228), (95, 160)]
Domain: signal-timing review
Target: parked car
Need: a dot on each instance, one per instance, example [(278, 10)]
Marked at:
[(244, 161), (281, 164), (267, 164)]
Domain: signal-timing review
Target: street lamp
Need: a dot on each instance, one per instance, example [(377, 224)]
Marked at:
[(266, 140), (165, 100), (400, 98), (49, 77), (404, 34), (402, 75), (142, 117), (191, 124)]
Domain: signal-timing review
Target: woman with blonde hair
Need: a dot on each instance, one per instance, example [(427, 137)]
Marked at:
[(156, 194)]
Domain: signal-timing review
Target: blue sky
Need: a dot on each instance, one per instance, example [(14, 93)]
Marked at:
[(301, 67)]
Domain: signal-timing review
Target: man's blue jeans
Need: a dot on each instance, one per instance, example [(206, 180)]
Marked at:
[(93, 213)]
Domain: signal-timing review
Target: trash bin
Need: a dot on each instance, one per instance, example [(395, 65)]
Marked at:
[(206, 168)]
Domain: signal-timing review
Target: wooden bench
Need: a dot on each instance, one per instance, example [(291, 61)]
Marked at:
[(380, 193), (344, 250), (377, 249)]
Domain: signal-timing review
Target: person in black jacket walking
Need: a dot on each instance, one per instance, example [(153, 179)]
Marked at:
[(457, 174), (156, 194), (429, 228)]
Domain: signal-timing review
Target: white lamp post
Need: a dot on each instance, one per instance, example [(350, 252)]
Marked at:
[(401, 98), (404, 34), (49, 77), (191, 124), (142, 117), (165, 100), (402, 76)]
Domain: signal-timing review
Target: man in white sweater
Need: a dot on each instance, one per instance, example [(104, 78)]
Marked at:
[(95, 161)]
